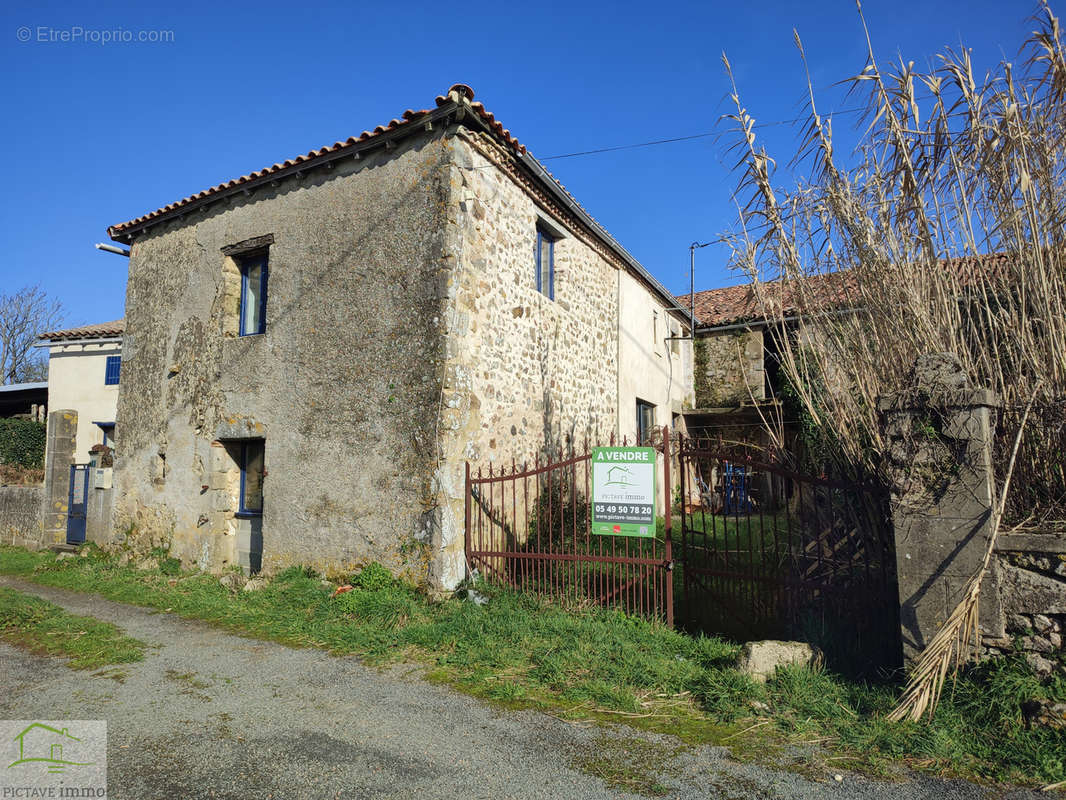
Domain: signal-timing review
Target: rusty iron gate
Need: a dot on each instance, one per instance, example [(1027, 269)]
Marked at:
[(766, 552), (529, 527)]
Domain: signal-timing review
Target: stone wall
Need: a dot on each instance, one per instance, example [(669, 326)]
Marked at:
[(523, 372), (21, 518), (1031, 573), (535, 369), (343, 387), (526, 374), (730, 368), (940, 436)]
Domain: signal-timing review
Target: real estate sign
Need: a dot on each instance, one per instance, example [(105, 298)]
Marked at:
[(623, 491)]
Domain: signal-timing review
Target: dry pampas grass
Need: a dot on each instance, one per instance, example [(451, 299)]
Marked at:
[(942, 228)]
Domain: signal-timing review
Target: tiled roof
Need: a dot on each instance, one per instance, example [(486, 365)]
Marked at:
[(99, 330), (736, 304), (455, 96)]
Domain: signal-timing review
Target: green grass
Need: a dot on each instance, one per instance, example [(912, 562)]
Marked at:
[(42, 627), (590, 663)]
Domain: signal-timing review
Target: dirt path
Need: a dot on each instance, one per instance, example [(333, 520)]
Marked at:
[(211, 715)]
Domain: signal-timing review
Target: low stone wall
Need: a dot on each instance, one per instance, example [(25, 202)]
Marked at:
[(21, 512), (1031, 575)]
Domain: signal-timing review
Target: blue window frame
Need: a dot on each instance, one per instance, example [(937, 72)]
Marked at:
[(252, 472), (545, 266), (253, 294), (114, 368)]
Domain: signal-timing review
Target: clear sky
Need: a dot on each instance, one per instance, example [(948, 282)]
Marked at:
[(97, 132)]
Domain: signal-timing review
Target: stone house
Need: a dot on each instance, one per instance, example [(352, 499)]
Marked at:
[(314, 351)]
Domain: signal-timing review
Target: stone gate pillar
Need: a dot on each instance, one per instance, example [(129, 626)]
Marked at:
[(939, 434), (58, 456)]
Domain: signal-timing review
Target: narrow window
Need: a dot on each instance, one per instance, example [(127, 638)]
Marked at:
[(655, 343), (675, 340), (253, 294), (645, 420), (111, 373), (545, 263), (252, 459)]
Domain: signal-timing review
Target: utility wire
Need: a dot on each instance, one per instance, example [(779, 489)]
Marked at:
[(716, 134)]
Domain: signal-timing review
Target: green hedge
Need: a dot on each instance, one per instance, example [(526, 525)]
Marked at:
[(22, 443)]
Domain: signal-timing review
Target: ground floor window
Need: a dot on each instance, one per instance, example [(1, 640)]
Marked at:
[(645, 420), (252, 461)]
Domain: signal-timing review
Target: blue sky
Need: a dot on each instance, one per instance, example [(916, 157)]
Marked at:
[(97, 133)]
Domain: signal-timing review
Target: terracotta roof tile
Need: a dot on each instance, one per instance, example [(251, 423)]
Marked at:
[(98, 330), (735, 304), (461, 98), (455, 95)]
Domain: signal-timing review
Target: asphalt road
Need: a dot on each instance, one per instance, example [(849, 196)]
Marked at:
[(211, 715)]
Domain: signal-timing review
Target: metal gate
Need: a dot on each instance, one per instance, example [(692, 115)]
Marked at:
[(529, 527), (770, 553), (76, 503)]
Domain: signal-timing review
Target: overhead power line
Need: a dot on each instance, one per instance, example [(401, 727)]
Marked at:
[(716, 134)]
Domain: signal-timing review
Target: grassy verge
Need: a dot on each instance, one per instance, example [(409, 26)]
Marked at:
[(591, 663), (41, 627)]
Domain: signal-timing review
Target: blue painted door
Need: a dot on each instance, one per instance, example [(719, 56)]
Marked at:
[(79, 497)]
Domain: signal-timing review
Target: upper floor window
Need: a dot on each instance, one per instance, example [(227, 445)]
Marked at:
[(545, 265), (253, 293), (112, 371), (645, 420)]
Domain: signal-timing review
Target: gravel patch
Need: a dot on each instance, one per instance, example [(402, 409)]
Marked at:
[(210, 714)]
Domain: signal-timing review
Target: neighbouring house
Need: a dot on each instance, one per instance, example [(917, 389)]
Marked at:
[(314, 351), (84, 375), (84, 372), (734, 368), (736, 378)]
